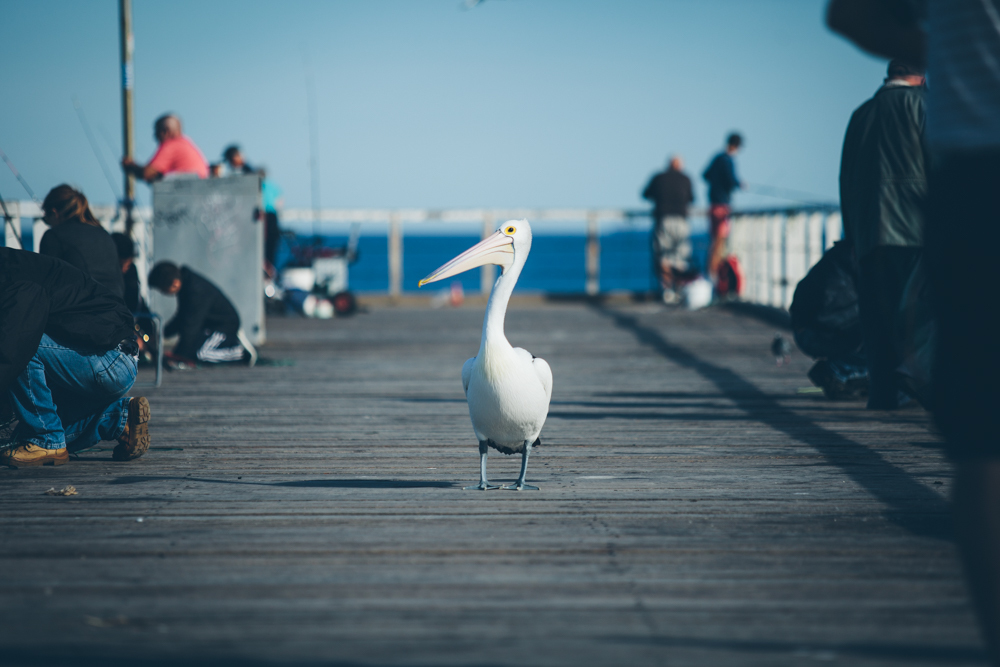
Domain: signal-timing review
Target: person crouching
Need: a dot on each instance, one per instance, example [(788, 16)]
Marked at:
[(206, 321), (67, 359)]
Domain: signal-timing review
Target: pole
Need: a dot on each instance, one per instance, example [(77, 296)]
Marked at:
[(313, 143), (593, 257), (12, 226), (487, 274), (128, 78), (395, 256)]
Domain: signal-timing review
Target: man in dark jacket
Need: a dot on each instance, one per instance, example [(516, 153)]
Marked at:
[(66, 361), (671, 194), (206, 320), (883, 190), (720, 174)]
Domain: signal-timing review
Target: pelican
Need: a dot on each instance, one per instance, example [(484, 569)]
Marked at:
[(508, 388)]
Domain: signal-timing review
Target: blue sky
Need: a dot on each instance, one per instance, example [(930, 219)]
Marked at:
[(422, 103)]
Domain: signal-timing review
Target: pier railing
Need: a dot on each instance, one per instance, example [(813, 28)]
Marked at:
[(775, 247), (485, 219)]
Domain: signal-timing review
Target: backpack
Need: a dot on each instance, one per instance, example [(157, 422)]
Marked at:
[(826, 303), (730, 277)]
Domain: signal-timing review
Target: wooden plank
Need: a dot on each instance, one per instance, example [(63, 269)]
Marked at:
[(695, 509)]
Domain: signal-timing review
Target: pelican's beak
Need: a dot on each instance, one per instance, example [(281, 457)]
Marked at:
[(496, 249)]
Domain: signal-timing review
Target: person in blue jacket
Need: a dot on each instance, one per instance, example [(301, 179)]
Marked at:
[(720, 174)]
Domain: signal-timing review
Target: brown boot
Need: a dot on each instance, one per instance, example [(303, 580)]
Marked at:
[(28, 454), (134, 440)]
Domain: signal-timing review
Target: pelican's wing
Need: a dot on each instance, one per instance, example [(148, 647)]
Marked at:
[(466, 374), (544, 374)]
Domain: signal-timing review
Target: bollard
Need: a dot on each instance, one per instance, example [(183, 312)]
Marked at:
[(593, 255), (395, 256), (488, 272)]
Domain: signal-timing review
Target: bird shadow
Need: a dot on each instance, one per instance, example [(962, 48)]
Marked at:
[(302, 483)]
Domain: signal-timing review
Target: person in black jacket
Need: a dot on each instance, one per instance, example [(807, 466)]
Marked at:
[(206, 320), (883, 192), (671, 194), (78, 238), (66, 361), (130, 274)]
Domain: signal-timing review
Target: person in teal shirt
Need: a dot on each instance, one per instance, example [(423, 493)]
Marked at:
[(271, 200)]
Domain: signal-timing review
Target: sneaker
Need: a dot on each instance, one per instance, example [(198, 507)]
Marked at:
[(837, 384), (28, 454), (134, 440), (670, 297)]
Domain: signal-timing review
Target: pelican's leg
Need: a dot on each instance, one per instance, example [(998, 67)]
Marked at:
[(483, 484), (520, 485)]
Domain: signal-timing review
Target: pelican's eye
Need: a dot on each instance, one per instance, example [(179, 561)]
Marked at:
[(510, 230)]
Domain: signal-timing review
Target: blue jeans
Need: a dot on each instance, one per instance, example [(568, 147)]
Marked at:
[(72, 396)]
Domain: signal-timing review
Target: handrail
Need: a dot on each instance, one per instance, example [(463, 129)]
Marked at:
[(775, 246)]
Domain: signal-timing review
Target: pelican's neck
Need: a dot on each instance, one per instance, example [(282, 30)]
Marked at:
[(496, 309)]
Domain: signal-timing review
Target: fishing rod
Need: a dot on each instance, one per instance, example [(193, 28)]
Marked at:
[(93, 147), (7, 217), (20, 179), (9, 220), (313, 139), (786, 194)]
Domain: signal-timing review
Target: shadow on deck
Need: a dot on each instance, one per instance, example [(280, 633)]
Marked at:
[(696, 508)]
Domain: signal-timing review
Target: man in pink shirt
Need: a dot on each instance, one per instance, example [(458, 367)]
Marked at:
[(176, 154)]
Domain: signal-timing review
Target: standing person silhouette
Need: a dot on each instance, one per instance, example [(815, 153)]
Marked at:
[(671, 194), (883, 193), (720, 174)]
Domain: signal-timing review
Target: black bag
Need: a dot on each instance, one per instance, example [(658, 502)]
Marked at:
[(825, 305)]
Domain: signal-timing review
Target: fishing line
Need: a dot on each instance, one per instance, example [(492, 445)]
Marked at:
[(786, 194), (108, 144), (93, 147)]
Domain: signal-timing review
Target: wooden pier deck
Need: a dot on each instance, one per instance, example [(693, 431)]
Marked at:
[(695, 509)]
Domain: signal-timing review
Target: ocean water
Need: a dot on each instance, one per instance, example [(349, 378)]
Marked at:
[(557, 262)]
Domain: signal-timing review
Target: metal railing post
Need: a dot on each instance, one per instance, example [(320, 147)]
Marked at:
[(488, 272), (395, 256), (784, 260), (12, 230), (772, 274), (807, 242), (593, 254)]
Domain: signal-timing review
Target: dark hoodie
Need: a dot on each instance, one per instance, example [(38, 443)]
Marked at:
[(40, 294)]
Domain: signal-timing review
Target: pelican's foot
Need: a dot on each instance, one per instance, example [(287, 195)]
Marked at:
[(482, 486), (519, 486)]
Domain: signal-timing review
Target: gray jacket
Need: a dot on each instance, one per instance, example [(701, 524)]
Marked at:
[(883, 171)]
